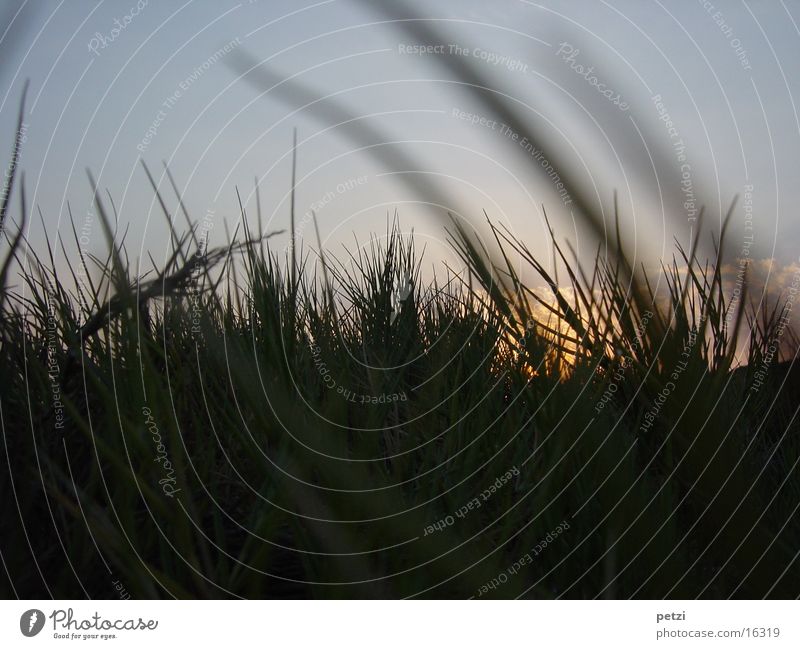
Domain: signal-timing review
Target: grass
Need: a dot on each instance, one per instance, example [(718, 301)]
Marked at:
[(233, 428)]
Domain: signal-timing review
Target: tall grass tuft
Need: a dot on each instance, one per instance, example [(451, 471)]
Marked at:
[(262, 433), (243, 422)]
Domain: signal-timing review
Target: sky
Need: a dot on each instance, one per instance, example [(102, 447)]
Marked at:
[(672, 105)]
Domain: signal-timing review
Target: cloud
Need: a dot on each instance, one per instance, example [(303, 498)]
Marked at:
[(767, 279)]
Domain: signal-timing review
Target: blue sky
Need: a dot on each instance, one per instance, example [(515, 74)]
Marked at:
[(158, 89)]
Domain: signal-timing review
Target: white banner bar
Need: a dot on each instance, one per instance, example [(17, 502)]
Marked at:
[(401, 625)]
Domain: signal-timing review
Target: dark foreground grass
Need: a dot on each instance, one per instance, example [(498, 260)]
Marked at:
[(241, 424)]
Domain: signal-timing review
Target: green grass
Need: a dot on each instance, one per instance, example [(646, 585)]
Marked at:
[(247, 421), (282, 482)]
